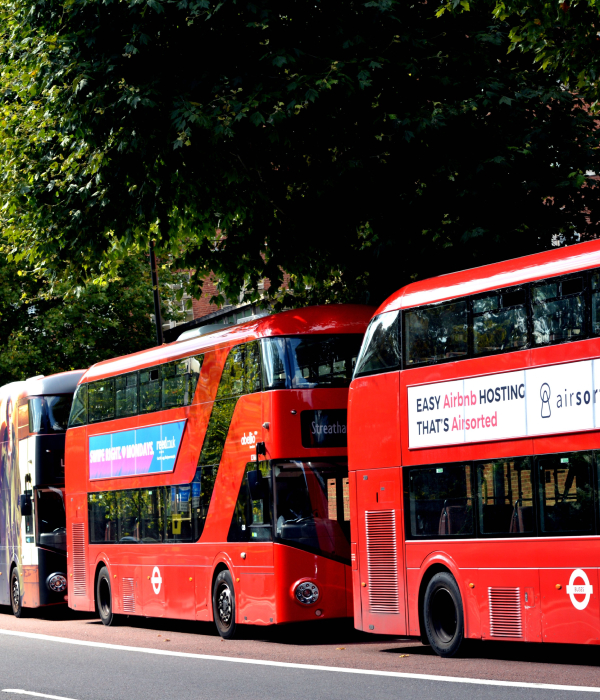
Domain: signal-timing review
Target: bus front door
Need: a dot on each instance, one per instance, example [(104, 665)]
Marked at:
[(381, 551)]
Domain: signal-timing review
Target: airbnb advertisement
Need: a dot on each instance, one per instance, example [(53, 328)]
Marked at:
[(130, 452), (537, 401)]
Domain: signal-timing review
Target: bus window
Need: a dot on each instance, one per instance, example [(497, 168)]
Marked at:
[(79, 407), (178, 514), (242, 373), (310, 507), (150, 390), (151, 514), (323, 360), (558, 310), (441, 501), (251, 521), (101, 400), (499, 322), (51, 520), (566, 493), (505, 491), (275, 370), (381, 347), (49, 414), (126, 390), (436, 333)]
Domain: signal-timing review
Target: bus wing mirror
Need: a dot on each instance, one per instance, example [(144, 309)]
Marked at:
[(25, 502)]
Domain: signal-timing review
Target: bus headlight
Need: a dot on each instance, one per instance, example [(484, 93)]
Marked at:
[(306, 592), (57, 583)]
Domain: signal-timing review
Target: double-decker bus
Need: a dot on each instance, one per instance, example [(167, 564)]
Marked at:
[(207, 479), (33, 544), (473, 455)]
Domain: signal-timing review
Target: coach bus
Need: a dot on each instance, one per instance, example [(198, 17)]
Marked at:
[(33, 545), (207, 479), (474, 418)]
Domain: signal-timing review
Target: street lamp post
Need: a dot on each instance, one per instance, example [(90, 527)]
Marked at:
[(157, 315)]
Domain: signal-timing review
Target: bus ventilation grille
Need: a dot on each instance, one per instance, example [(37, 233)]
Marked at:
[(128, 595), (382, 561), (78, 558), (505, 612)]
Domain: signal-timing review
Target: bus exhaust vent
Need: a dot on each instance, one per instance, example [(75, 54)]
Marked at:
[(128, 595), (505, 612), (79, 577), (382, 562)]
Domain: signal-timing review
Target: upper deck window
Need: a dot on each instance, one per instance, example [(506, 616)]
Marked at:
[(380, 351), (500, 322), (309, 361), (558, 309), (436, 333), (49, 414), (152, 389)]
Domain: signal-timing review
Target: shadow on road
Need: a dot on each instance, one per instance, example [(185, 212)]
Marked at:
[(563, 654)]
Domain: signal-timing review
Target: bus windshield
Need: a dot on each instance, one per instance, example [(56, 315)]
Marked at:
[(312, 506), (49, 414), (309, 362), (50, 508)]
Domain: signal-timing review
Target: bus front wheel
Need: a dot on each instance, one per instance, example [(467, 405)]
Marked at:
[(16, 599), (443, 615), (104, 598), (224, 605)]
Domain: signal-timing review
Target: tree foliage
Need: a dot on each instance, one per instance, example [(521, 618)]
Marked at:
[(355, 145), (44, 333), (564, 38)]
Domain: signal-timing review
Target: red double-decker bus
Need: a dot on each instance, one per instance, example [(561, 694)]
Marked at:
[(207, 479), (473, 454)]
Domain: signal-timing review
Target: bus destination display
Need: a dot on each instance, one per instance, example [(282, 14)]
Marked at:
[(130, 452)]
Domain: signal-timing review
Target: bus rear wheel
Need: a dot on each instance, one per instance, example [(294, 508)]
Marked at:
[(16, 599), (104, 598), (224, 605), (443, 615)]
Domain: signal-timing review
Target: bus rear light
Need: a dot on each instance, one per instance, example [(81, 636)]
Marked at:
[(306, 592), (57, 583)]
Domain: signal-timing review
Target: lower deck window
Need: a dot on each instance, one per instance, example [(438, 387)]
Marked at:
[(523, 496)]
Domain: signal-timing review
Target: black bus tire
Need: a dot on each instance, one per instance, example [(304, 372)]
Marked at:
[(223, 599), (104, 598), (16, 597), (443, 615)]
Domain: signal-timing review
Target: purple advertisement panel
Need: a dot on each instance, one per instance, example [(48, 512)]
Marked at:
[(130, 452)]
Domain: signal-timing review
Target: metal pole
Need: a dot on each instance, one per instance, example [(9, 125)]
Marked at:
[(157, 315)]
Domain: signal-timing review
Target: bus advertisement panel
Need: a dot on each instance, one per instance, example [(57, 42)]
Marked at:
[(207, 479), (473, 455)]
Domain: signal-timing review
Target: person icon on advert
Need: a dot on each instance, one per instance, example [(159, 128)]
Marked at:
[(545, 396)]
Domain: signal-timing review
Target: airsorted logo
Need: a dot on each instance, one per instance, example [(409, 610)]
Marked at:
[(249, 439), (545, 394), (324, 428)]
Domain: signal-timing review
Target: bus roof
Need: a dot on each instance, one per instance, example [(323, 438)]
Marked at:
[(508, 273), (333, 318), (63, 383)]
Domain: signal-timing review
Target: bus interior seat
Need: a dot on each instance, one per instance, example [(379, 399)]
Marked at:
[(454, 517), (522, 518)]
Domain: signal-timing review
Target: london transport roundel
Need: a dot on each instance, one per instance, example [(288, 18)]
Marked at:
[(585, 589), (156, 580)]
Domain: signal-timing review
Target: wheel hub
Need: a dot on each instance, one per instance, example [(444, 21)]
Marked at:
[(224, 605), (16, 597)]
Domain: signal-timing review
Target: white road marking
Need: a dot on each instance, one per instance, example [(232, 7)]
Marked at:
[(37, 695), (303, 667)]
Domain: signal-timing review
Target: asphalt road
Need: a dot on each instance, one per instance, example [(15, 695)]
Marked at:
[(168, 659), (93, 673)]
